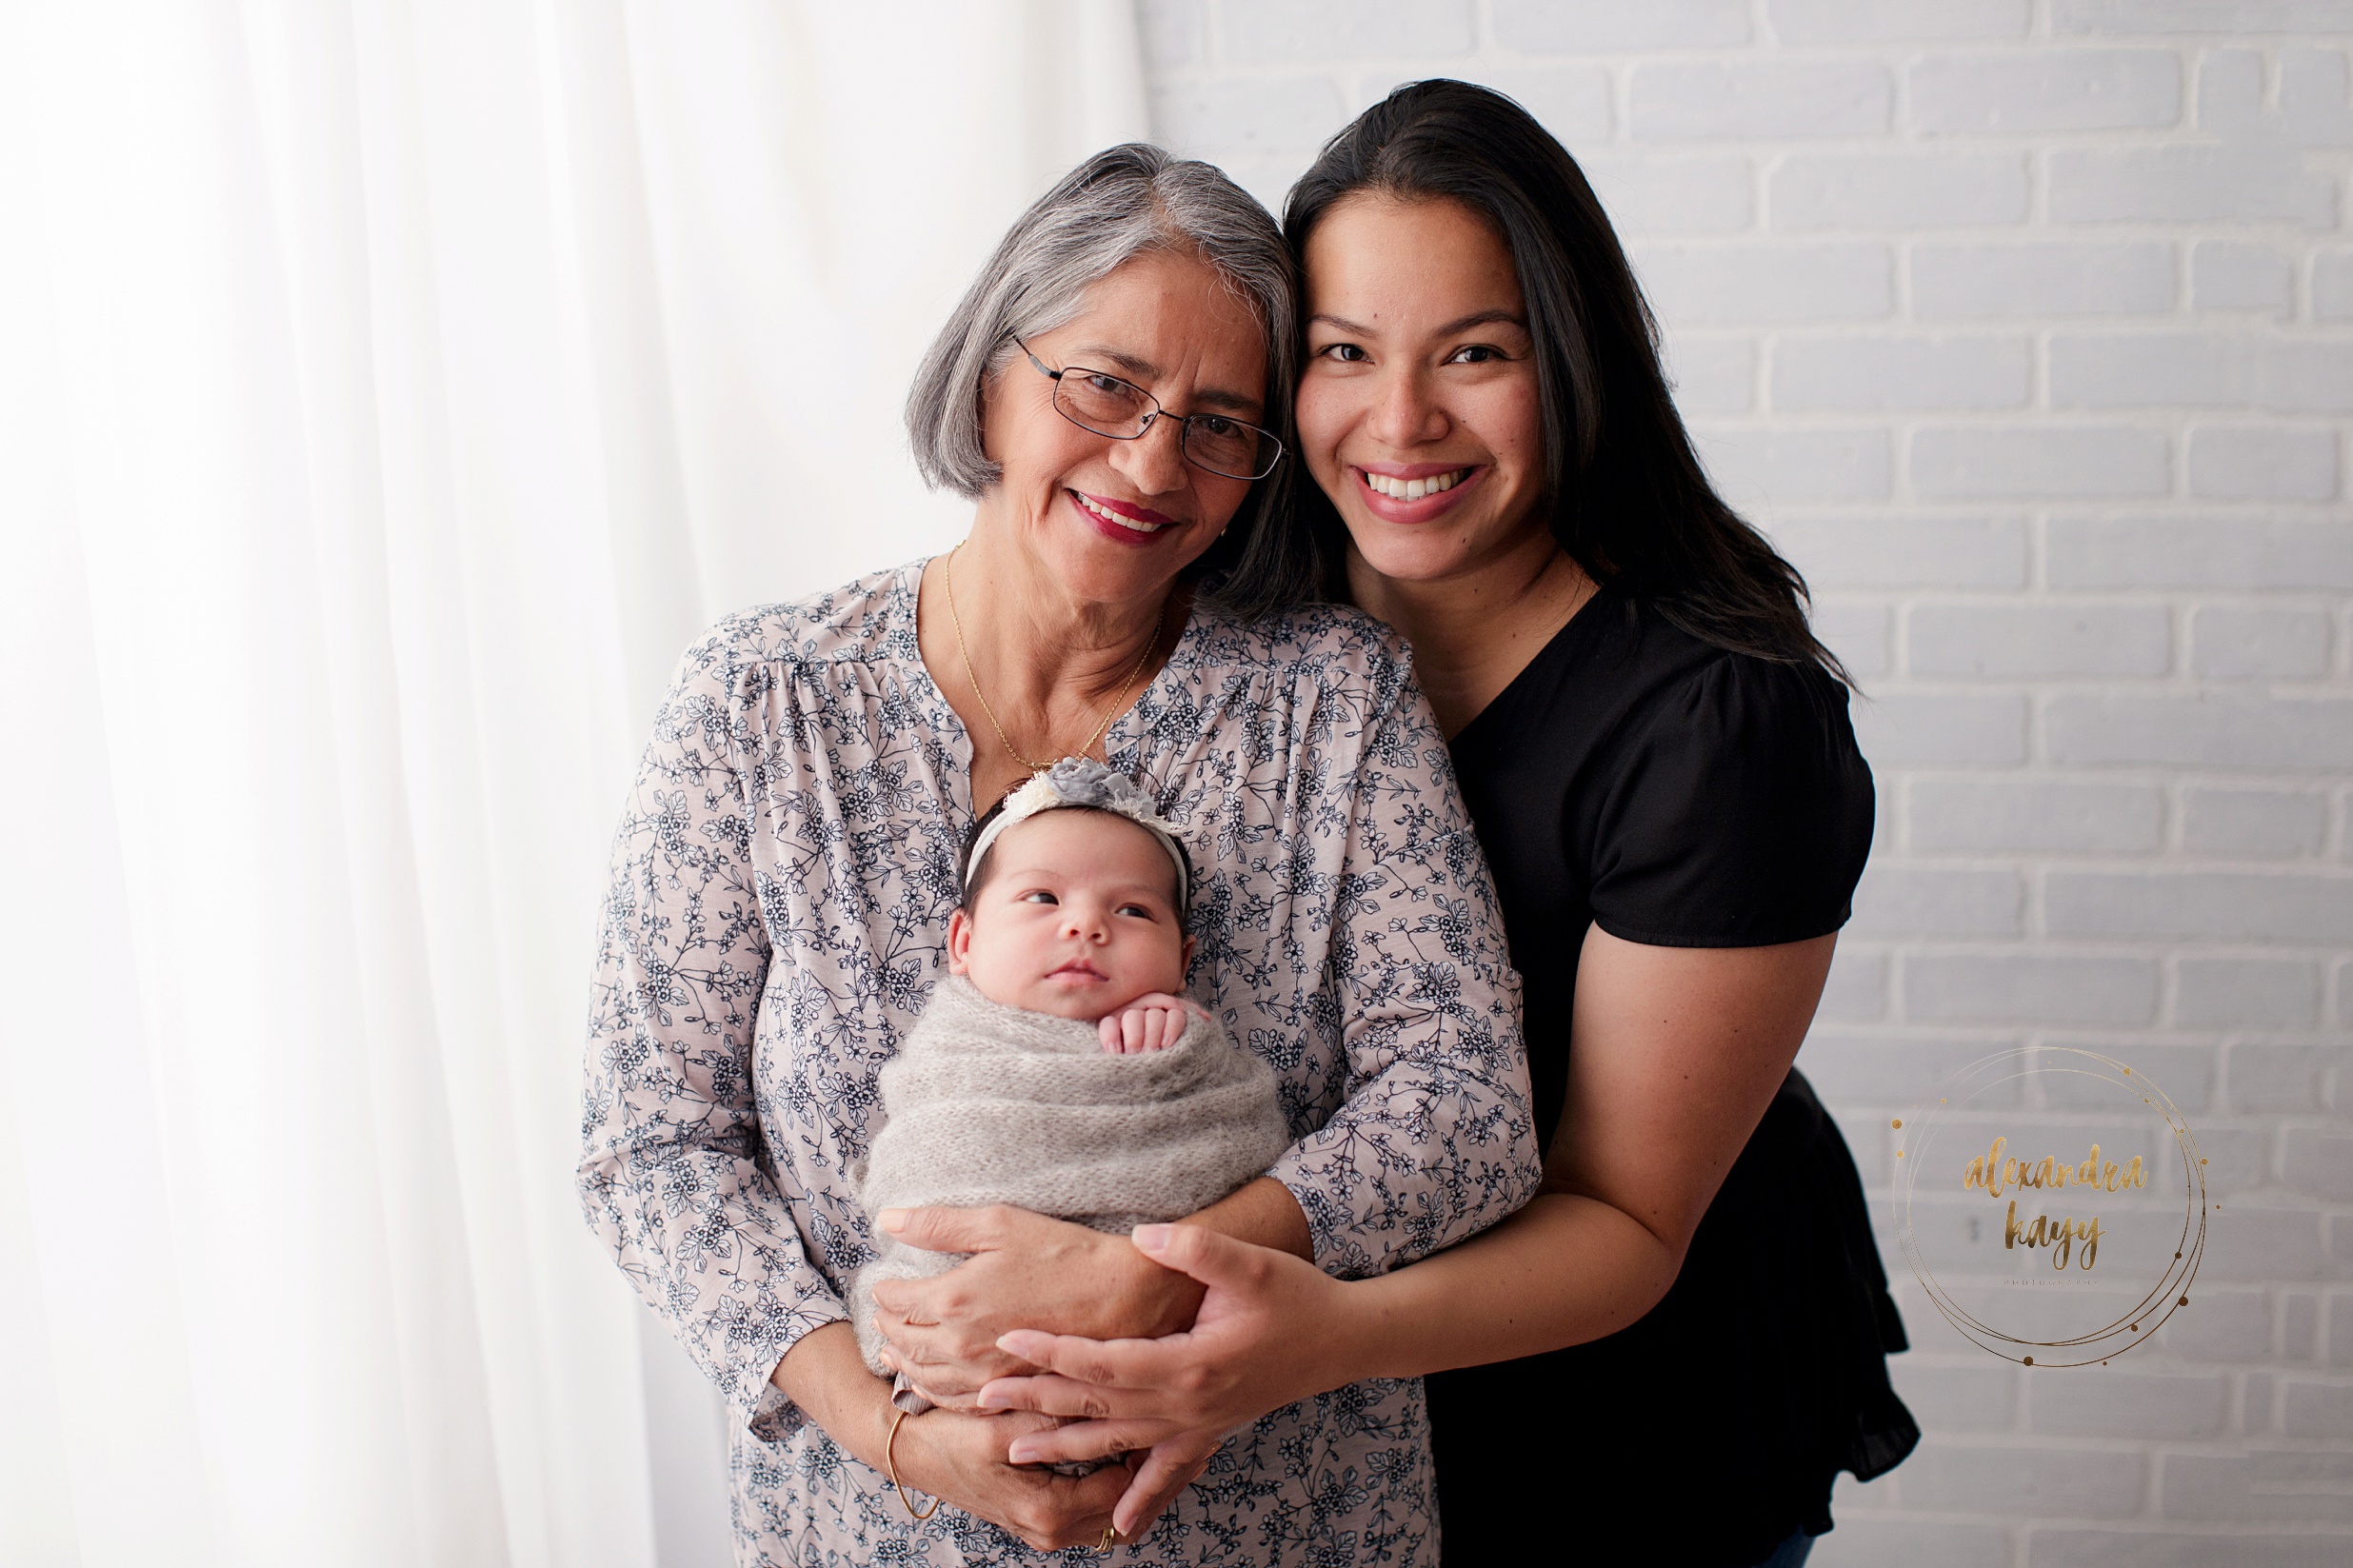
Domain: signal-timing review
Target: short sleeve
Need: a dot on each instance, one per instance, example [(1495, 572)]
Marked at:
[(1735, 810)]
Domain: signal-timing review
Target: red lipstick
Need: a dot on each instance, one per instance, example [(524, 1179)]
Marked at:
[(1092, 508)]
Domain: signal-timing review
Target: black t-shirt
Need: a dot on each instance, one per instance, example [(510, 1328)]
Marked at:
[(1680, 795)]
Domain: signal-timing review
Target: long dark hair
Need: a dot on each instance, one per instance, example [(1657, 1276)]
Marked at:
[(1630, 503)]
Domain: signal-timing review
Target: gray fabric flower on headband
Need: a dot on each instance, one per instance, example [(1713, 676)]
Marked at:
[(1083, 780)]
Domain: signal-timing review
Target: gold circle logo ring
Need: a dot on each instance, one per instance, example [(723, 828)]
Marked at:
[(2168, 1295)]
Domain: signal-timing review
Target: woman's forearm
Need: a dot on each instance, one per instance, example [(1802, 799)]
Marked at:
[(1675, 1054), (1273, 1329), (1564, 1270), (1263, 1213), (824, 1374)]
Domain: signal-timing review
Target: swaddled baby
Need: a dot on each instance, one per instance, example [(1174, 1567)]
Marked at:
[(1056, 1069)]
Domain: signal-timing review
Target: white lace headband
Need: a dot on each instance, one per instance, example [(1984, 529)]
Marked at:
[(1083, 782)]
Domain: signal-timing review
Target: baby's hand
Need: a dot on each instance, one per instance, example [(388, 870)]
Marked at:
[(1151, 1023)]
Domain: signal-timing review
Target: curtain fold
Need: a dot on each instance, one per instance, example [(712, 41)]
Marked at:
[(387, 392)]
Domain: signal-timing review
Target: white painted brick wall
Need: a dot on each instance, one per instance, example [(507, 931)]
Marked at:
[(2027, 328), (2230, 276)]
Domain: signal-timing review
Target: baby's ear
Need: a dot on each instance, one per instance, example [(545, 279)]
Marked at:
[(960, 943), (1185, 964)]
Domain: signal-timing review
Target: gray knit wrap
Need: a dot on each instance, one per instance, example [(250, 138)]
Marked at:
[(994, 1104)]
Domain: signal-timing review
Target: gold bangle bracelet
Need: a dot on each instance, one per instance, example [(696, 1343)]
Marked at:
[(890, 1459)]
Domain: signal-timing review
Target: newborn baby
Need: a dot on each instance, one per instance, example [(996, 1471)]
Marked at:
[(1056, 1068)]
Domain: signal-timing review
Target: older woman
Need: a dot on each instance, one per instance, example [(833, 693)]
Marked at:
[(784, 870)]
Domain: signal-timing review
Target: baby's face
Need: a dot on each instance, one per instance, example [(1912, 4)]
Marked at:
[(1077, 918)]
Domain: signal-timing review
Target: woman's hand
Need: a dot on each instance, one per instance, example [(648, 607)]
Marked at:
[(1160, 1473), (1271, 1329), (1025, 1271), (961, 1460), (958, 1458)]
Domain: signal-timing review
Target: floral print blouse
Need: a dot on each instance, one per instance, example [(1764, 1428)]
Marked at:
[(781, 886)]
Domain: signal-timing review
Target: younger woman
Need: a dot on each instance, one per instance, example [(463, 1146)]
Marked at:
[(1668, 1354)]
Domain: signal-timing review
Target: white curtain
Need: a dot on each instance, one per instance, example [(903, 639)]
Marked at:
[(388, 392)]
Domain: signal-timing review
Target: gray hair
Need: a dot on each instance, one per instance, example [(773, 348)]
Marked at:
[(1116, 205)]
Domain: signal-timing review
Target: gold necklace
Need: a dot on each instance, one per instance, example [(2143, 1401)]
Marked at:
[(1101, 724)]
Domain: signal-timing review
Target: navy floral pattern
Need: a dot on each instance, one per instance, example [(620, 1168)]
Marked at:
[(781, 886)]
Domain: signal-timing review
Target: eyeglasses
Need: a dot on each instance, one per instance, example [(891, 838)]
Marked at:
[(1099, 402)]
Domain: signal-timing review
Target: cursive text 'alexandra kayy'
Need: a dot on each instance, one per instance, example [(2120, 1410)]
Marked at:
[(1994, 1174)]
